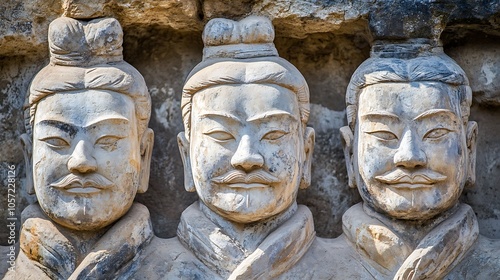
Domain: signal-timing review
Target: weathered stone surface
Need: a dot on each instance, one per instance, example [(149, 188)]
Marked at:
[(87, 151), (297, 19), (475, 15), (24, 24), (246, 151), (165, 58), (15, 76), (326, 50), (481, 61), (327, 61), (484, 196), (408, 19), (79, 9), (410, 150)]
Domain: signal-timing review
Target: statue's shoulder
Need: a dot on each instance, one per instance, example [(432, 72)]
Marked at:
[(169, 259), (328, 258)]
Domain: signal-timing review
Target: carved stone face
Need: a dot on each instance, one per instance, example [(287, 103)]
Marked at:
[(247, 150), (86, 157), (410, 150)]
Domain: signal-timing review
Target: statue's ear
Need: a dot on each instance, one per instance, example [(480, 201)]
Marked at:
[(347, 139), (309, 137), (186, 161), (27, 147), (471, 149), (147, 142)]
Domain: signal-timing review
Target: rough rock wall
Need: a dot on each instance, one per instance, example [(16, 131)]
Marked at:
[(325, 40)]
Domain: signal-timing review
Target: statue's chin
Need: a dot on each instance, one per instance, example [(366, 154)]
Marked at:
[(88, 221), (80, 225), (411, 212)]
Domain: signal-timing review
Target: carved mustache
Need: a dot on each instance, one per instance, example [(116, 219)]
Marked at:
[(92, 180), (239, 177), (400, 177)]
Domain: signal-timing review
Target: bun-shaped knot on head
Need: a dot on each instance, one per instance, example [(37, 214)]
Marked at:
[(250, 30), (251, 37), (221, 31), (256, 30), (84, 43)]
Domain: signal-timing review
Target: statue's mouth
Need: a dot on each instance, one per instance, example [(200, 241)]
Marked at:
[(88, 184), (247, 186), (400, 178), (239, 179)]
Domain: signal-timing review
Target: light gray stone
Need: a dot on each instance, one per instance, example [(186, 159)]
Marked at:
[(481, 62), (410, 150), (246, 150), (325, 49)]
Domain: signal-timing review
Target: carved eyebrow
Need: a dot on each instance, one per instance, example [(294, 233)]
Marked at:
[(380, 114), (104, 119), (220, 114), (434, 112), (269, 114), (66, 127)]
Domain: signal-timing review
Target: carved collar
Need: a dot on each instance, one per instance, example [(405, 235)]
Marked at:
[(57, 252), (386, 252), (277, 253)]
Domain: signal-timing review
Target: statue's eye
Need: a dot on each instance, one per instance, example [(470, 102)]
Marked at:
[(436, 133), (274, 135), (219, 135), (56, 142), (384, 135), (108, 143)]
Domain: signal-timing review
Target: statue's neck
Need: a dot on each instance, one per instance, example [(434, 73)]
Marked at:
[(249, 235), (413, 231)]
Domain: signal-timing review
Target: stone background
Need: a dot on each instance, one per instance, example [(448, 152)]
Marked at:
[(326, 40)]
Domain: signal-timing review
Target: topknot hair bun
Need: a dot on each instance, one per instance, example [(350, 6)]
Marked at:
[(251, 30), (83, 43), (248, 38)]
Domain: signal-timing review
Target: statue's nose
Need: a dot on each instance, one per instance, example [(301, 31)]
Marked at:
[(409, 153), (246, 157), (81, 159)]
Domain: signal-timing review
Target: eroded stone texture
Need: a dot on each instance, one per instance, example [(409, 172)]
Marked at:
[(85, 9), (165, 61), (16, 74), (484, 195), (24, 24), (309, 34), (482, 64), (299, 18)]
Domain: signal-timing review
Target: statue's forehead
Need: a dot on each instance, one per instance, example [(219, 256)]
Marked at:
[(85, 106), (406, 99), (245, 100)]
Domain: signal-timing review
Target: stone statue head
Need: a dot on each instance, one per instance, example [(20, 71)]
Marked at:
[(88, 144), (246, 148), (409, 146)]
